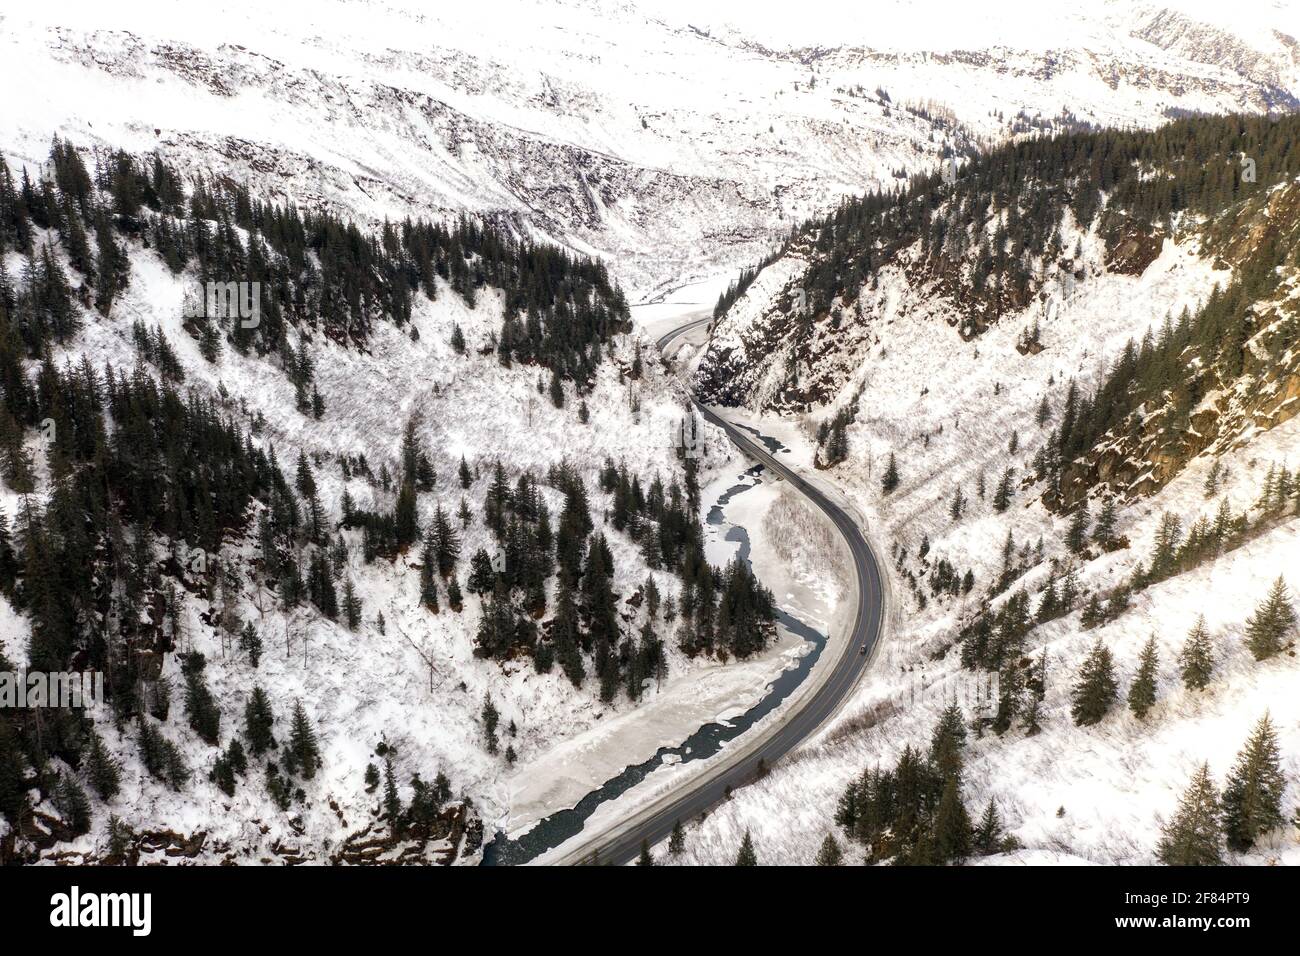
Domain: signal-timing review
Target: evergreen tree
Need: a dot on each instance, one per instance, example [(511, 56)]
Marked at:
[(1002, 497), (13, 764), (405, 519), (1095, 690), (1076, 538), (1192, 837), (1142, 694), (490, 718), (891, 478), (303, 748), (677, 842), (947, 743), (102, 769), (1104, 533), (258, 722), (830, 854), (565, 633), (392, 802), (250, 642), (73, 804), (1272, 621), (952, 826), (747, 856), (988, 835), (200, 706), (1252, 798), (645, 859), (351, 605), (1197, 658)]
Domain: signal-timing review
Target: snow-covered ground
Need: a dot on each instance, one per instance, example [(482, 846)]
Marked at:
[(366, 687), (948, 409), (677, 147), (657, 136)]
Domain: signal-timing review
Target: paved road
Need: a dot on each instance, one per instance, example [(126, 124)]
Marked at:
[(738, 764)]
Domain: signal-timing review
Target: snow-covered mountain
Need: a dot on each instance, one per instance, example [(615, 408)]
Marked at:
[(960, 369), (661, 137), (673, 145)]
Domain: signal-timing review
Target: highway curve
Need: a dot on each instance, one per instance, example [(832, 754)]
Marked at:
[(737, 765)]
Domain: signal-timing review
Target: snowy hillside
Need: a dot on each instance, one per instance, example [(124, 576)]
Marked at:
[(664, 138), (1198, 524), (404, 684), (1022, 292)]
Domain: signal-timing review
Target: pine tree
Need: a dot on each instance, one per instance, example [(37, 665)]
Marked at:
[(1197, 658), (565, 633), (645, 859), (1272, 621), (830, 854), (490, 718), (392, 802), (747, 856), (1192, 837), (303, 748), (1002, 497), (988, 835), (200, 706), (351, 605), (1076, 538), (1252, 798), (947, 743), (13, 764), (952, 827), (677, 842), (1104, 533), (258, 722), (891, 478), (102, 769), (1092, 614), (121, 840), (73, 804), (958, 505), (1096, 690), (405, 516), (1212, 479), (1142, 695), (250, 642)]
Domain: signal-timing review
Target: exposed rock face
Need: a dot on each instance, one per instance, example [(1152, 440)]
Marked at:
[(1133, 250), (1152, 447)]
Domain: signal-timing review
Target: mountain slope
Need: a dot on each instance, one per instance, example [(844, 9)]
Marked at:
[(306, 500), (672, 150), (1107, 457)]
